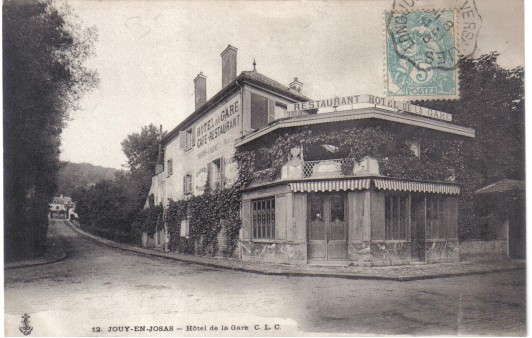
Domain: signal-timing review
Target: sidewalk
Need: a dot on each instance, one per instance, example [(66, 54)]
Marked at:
[(395, 273), (56, 250)]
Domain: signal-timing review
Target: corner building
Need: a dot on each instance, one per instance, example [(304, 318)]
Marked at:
[(358, 180)]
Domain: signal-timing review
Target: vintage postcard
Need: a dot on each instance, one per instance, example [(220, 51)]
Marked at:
[(264, 168)]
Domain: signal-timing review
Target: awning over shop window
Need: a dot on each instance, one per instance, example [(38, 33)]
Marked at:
[(343, 185), (436, 188)]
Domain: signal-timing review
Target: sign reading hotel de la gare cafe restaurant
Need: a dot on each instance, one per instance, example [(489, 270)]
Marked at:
[(314, 202)]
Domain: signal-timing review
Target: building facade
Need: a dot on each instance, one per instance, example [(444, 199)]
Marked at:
[(202, 146), (358, 180)]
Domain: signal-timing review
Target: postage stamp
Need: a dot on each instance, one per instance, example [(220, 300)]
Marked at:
[(421, 55)]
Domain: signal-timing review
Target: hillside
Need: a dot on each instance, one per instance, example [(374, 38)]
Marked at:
[(73, 175)]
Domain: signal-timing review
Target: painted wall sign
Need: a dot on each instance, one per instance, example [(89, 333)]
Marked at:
[(218, 123), (370, 99)]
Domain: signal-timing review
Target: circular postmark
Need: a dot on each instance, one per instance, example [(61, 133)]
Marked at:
[(429, 38)]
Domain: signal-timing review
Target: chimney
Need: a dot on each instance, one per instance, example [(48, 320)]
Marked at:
[(228, 65), (296, 85), (200, 90), (159, 166)]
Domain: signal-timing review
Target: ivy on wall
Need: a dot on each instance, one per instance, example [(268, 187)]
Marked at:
[(440, 155), (207, 214), (150, 219)]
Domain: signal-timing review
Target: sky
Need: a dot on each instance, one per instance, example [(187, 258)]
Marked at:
[(149, 52)]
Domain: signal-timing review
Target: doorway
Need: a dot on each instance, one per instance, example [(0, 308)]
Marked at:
[(417, 230), (327, 226)]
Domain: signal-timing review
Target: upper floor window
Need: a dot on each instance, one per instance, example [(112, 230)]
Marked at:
[(280, 111), (415, 147), (170, 167), (187, 139), (187, 184), (190, 139), (217, 175), (259, 111)]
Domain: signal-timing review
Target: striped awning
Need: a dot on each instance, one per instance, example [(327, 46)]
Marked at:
[(337, 185), (436, 188)]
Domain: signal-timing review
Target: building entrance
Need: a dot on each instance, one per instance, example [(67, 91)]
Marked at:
[(327, 226), (417, 230)]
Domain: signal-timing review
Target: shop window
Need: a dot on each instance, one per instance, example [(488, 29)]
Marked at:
[(435, 228), (217, 172), (263, 218), (170, 168), (259, 111), (396, 216), (187, 184)]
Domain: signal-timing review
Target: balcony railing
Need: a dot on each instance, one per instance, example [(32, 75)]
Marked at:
[(326, 168), (311, 169)]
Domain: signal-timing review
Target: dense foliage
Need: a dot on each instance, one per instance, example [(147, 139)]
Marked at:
[(492, 102), (44, 49), (142, 151), (115, 208)]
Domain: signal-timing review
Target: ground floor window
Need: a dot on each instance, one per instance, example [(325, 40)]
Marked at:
[(435, 218), (396, 216), (263, 218)]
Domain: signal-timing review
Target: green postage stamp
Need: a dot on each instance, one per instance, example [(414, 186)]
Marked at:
[(421, 55)]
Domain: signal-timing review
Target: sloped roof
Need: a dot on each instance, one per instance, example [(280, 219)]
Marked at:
[(62, 200), (502, 186), (252, 77)]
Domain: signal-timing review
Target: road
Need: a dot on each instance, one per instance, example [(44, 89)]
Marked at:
[(99, 291)]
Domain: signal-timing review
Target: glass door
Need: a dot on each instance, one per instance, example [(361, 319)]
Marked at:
[(327, 227)]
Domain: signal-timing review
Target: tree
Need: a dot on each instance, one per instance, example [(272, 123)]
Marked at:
[(44, 49), (142, 150), (491, 102)]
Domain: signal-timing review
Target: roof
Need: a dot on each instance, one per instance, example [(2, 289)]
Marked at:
[(250, 77), (359, 114), (62, 200), (502, 186)]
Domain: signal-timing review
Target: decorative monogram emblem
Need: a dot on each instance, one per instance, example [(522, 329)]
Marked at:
[(25, 328)]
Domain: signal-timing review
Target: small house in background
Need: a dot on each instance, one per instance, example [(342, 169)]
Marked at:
[(503, 206), (62, 207)]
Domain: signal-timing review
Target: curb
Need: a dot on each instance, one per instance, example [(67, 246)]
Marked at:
[(191, 260), (29, 265)]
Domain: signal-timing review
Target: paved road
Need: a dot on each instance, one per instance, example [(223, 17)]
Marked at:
[(99, 288)]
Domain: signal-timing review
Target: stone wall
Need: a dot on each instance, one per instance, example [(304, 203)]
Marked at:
[(479, 250), (294, 253), (441, 251), (390, 253)]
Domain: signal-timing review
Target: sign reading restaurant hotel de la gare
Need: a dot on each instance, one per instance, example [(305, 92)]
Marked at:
[(370, 99)]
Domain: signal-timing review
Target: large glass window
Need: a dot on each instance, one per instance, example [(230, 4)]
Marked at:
[(396, 216), (264, 218), (435, 225)]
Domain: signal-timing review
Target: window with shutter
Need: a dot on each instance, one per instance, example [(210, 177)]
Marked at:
[(182, 140), (259, 111)]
